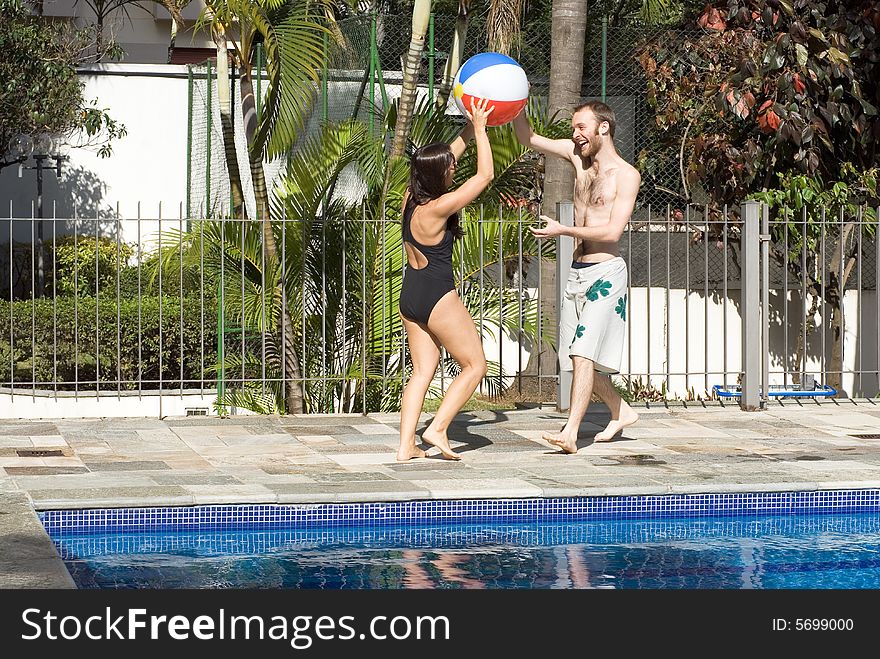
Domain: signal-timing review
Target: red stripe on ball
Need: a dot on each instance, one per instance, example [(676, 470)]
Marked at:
[(504, 111)]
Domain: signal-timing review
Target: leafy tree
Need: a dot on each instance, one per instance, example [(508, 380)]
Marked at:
[(817, 232), (41, 91), (767, 87), (779, 101)]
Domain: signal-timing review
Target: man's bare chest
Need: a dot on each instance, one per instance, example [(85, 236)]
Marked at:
[(595, 190)]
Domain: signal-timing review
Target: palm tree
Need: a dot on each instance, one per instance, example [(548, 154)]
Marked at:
[(175, 8), (292, 34)]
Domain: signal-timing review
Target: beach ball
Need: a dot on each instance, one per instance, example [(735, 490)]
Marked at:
[(495, 77)]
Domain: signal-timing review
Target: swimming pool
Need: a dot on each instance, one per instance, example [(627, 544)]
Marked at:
[(820, 539)]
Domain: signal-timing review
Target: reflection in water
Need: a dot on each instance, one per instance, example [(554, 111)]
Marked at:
[(831, 551), (437, 570)]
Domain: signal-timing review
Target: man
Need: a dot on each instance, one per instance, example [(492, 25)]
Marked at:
[(593, 314)]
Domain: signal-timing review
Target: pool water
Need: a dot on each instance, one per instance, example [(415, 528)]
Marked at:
[(839, 551)]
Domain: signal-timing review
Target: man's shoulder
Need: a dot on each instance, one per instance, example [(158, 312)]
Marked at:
[(627, 175), (627, 170)]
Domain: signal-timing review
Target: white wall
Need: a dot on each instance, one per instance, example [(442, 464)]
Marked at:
[(689, 337), (147, 167), (22, 405)]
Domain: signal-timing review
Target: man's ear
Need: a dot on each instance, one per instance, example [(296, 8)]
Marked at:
[(604, 127)]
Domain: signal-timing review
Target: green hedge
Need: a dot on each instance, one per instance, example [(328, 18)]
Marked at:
[(77, 348)]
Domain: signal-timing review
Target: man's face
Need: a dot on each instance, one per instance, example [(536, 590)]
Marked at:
[(586, 133)]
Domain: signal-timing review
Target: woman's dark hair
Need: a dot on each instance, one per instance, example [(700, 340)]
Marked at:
[(427, 179)]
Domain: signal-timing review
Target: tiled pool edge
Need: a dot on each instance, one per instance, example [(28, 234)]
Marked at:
[(44, 503), (407, 513)]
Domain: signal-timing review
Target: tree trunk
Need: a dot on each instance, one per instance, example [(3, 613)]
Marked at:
[(172, 40), (294, 383), (177, 22), (833, 375), (569, 20), (248, 105), (503, 25), (421, 13), (293, 394), (807, 327), (224, 97), (566, 78), (453, 62), (839, 274)]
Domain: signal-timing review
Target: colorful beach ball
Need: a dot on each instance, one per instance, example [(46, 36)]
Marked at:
[(496, 77)]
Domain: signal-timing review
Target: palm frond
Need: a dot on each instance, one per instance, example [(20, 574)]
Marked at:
[(295, 54), (495, 236)]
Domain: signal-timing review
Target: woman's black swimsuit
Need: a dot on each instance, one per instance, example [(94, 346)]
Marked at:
[(423, 287)]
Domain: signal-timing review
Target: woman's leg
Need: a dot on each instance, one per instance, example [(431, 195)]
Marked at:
[(425, 352), (451, 323)]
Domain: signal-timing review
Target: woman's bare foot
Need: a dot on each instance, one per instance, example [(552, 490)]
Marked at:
[(405, 453), (628, 416), (441, 441), (566, 441)]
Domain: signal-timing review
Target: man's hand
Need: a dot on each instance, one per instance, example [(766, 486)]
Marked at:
[(552, 229)]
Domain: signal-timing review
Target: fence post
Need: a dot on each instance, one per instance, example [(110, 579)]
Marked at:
[(373, 59), (750, 299), (431, 56), (564, 255), (324, 73), (221, 341), (209, 77), (764, 237), (604, 55), (189, 141)]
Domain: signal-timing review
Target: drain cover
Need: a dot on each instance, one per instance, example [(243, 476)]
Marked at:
[(868, 436), (39, 453)]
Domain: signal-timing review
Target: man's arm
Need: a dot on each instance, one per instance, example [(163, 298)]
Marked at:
[(459, 144), (528, 138), (621, 210)]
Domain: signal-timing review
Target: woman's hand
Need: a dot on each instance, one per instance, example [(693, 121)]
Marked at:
[(479, 115)]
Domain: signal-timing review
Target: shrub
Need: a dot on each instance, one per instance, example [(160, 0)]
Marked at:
[(63, 341)]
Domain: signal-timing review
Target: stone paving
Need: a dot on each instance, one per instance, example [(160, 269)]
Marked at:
[(95, 463)]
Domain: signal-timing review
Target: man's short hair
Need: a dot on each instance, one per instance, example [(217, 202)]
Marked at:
[(602, 112)]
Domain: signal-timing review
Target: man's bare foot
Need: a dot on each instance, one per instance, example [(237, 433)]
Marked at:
[(563, 440), (441, 441), (408, 453), (628, 416)]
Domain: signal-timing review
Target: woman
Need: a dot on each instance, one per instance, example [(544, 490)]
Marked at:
[(432, 313)]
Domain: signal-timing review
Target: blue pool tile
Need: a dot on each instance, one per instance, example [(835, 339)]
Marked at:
[(412, 513)]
